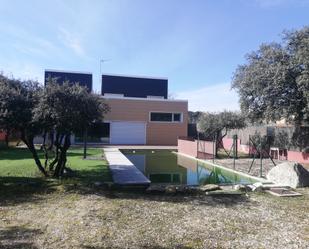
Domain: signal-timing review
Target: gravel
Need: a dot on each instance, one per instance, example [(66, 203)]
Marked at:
[(114, 219)]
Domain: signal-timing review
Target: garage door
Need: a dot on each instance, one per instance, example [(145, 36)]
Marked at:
[(128, 133)]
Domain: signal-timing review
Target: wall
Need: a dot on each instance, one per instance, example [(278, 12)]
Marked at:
[(195, 148), (188, 147), (158, 133), (205, 149), (299, 157)]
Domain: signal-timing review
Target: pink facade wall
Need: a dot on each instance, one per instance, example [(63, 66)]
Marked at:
[(187, 147)]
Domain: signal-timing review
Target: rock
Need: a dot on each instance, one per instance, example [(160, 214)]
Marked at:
[(289, 174), (98, 184), (155, 189), (209, 187), (257, 187), (240, 187), (170, 189)]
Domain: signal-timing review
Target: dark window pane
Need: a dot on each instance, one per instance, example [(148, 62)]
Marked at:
[(177, 117), (160, 178), (163, 117), (176, 178)]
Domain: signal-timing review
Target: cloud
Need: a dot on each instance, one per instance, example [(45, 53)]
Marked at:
[(213, 98), (72, 41)]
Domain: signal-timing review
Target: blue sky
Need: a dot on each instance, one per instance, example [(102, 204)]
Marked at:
[(196, 44)]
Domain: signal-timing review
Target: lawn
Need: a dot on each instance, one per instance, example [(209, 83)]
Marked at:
[(18, 163)]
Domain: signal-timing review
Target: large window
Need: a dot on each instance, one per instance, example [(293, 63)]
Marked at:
[(165, 117)]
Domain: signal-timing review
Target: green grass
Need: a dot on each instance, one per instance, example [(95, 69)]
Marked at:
[(18, 163)]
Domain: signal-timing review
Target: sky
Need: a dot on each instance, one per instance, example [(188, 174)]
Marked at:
[(196, 44)]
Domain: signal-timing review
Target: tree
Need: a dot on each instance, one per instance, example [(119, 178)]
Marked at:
[(216, 125), (193, 117), (64, 110), (55, 110), (17, 100), (274, 83)]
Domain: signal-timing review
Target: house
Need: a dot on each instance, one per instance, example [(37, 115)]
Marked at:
[(140, 111)]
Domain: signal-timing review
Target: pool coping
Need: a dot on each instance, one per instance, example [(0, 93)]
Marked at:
[(262, 180)]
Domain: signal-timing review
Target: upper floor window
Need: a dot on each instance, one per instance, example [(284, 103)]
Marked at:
[(165, 117)]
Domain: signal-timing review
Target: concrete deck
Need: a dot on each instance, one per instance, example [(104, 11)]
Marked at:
[(123, 171)]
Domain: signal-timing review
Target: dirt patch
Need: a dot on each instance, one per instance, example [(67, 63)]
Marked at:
[(113, 219)]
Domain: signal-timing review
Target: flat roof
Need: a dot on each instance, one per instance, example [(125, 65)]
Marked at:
[(135, 76), (145, 99), (66, 71)]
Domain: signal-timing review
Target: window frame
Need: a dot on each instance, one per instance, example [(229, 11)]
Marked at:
[(171, 122)]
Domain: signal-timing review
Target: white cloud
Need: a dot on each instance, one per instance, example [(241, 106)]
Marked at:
[(72, 41), (213, 98)]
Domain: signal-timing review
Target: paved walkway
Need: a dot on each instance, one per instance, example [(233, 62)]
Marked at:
[(123, 171)]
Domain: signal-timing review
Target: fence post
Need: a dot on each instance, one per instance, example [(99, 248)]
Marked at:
[(261, 159), (213, 148), (85, 143)]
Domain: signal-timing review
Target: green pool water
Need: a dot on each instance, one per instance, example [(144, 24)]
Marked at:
[(164, 166)]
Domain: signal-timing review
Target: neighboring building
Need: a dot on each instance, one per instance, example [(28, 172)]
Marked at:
[(140, 112)]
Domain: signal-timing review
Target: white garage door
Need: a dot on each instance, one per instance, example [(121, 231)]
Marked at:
[(128, 133)]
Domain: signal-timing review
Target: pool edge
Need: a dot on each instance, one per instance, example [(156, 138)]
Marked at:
[(262, 180)]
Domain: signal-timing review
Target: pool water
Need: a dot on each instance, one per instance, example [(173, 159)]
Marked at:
[(165, 166)]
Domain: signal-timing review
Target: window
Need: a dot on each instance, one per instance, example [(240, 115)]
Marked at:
[(165, 117), (177, 117)]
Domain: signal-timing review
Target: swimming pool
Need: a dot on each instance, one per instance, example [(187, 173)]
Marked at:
[(166, 166)]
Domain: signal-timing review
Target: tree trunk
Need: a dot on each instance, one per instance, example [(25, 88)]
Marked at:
[(7, 135), (29, 142), (63, 156)]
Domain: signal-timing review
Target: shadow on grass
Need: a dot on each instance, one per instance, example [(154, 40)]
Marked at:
[(24, 153), (16, 154), (154, 246), (18, 237), (15, 190)]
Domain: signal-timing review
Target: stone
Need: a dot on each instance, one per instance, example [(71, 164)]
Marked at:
[(209, 187), (257, 187), (240, 187), (170, 189), (156, 188), (98, 184), (290, 174)]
